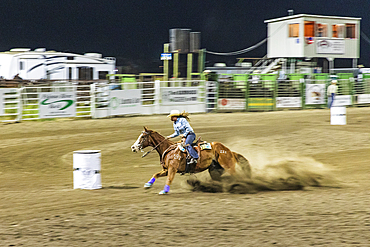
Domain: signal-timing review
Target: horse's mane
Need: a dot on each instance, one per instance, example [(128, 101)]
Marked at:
[(156, 133)]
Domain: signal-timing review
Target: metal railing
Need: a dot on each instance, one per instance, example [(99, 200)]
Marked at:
[(104, 99)]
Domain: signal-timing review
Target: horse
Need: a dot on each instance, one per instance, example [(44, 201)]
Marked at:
[(217, 158)]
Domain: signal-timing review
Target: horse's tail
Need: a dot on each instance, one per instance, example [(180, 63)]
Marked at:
[(243, 164)]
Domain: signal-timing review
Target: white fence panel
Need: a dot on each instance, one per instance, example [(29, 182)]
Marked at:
[(10, 104), (147, 98), (100, 100), (56, 101)]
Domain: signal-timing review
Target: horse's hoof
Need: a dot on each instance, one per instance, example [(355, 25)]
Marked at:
[(148, 185), (163, 192)]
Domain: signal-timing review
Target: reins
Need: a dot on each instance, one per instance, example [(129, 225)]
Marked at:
[(153, 148)]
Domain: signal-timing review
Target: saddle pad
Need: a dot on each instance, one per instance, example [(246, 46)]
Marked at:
[(181, 147), (205, 146)]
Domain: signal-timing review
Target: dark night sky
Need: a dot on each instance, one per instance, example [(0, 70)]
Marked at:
[(136, 30)]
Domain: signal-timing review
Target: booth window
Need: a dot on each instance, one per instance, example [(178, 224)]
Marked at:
[(103, 75), (21, 66), (338, 31), (351, 31), (321, 30), (309, 29), (69, 73), (294, 30), (85, 73)]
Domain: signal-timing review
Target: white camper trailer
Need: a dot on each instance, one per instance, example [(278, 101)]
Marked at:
[(52, 65)]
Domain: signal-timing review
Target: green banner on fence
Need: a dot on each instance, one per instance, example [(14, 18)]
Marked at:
[(260, 104)]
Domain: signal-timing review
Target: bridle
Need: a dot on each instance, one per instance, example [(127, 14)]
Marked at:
[(146, 136)]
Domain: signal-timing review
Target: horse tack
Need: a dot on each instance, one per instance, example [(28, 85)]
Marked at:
[(168, 150), (218, 154)]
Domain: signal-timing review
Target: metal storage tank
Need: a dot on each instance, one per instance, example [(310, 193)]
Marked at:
[(179, 40), (185, 40), (194, 42), (174, 39)]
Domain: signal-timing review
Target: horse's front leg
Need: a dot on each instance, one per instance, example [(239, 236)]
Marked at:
[(150, 183), (170, 176)]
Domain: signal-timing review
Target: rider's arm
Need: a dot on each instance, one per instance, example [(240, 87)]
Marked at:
[(176, 133)]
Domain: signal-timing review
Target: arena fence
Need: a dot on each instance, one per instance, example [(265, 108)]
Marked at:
[(266, 95), (102, 99)]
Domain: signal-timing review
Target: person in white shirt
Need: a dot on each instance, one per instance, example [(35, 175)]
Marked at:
[(331, 92)]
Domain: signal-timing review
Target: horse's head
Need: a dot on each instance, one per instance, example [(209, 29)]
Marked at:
[(142, 141)]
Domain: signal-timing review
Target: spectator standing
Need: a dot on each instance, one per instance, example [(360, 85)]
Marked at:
[(331, 92)]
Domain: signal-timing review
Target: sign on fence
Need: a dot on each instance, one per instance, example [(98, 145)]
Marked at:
[(231, 104), (125, 101), (287, 102), (57, 104), (342, 100), (363, 98), (315, 94), (180, 95)]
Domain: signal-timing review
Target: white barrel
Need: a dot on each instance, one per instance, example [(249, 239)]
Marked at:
[(86, 169), (338, 115)]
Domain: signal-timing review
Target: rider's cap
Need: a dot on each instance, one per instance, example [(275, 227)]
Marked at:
[(174, 113)]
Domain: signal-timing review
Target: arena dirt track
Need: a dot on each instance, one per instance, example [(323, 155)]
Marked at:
[(38, 206)]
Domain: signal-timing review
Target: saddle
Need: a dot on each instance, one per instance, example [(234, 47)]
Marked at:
[(198, 146), (202, 145)]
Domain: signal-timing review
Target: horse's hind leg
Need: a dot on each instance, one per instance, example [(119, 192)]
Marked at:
[(215, 170), (150, 183), (225, 157)]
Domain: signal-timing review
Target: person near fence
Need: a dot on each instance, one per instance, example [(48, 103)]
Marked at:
[(331, 92), (182, 127)]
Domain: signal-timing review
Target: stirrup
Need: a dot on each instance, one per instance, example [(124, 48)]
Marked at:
[(193, 161)]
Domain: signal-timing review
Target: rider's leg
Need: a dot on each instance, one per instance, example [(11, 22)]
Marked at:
[(194, 155), (189, 140)]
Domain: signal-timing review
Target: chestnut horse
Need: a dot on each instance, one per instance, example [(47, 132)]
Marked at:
[(217, 159)]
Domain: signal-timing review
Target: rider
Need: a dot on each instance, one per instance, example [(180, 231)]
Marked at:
[(182, 127)]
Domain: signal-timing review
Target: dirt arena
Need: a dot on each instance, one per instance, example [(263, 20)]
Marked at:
[(331, 207)]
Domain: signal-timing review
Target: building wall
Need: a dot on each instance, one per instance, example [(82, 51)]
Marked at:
[(281, 45)]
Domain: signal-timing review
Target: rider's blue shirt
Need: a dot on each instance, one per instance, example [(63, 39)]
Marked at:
[(181, 126)]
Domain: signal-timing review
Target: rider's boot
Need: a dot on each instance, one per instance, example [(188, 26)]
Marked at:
[(188, 158), (190, 163)]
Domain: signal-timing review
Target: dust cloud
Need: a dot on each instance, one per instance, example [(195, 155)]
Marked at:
[(273, 169)]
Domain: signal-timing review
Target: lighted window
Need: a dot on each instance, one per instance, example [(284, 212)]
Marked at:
[(338, 31), (321, 30), (294, 30), (351, 31), (309, 30)]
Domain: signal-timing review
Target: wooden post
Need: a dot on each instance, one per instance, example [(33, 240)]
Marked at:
[(176, 64), (165, 62), (190, 65)]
